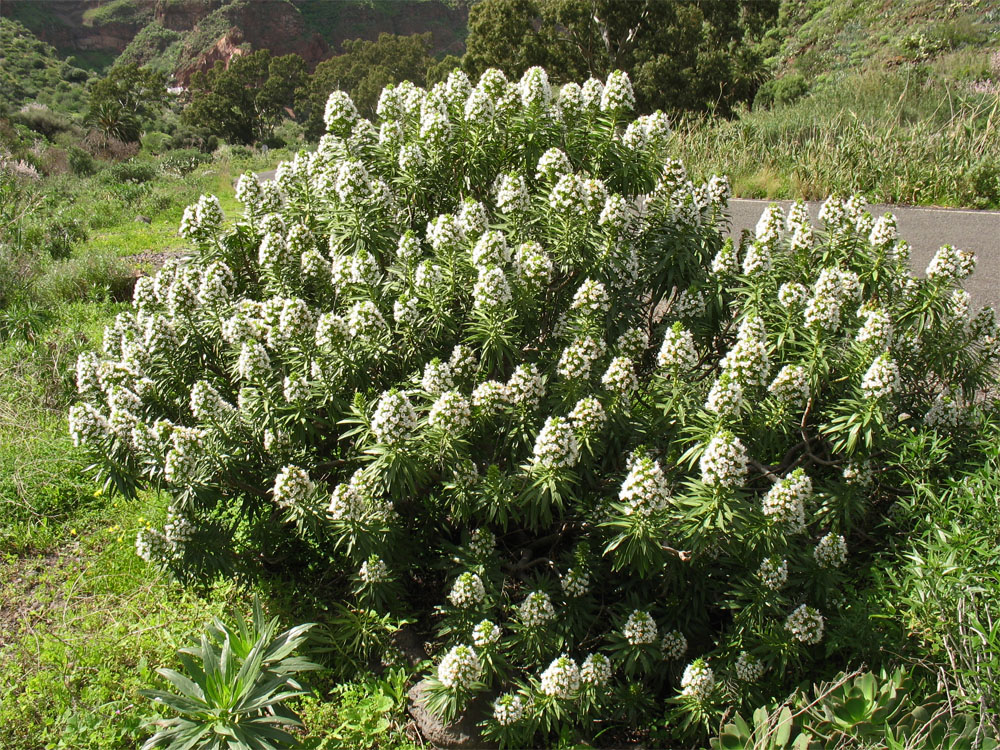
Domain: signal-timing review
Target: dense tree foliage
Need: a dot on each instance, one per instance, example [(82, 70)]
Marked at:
[(122, 100), (681, 54), (243, 101)]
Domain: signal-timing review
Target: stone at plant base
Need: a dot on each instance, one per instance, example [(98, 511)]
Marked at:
[(144, 219), (462, 734)]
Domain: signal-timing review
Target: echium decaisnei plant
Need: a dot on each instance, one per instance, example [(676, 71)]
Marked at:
[(492, 352)]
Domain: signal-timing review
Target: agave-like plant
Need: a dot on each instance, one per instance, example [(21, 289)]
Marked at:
[(233, 695)]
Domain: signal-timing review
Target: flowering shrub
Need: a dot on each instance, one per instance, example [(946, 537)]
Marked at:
[(495, 348)]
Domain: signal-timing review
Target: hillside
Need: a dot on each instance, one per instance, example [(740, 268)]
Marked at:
[(824, 40), (181, 36), (32, 71)]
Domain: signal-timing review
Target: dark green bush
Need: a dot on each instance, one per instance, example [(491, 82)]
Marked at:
[(781, 91), (81, 162), (133, 171)]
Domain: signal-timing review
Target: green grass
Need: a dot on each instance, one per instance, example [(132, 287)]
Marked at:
[(911, 136)]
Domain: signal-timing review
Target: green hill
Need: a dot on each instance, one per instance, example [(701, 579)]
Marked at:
[(31, 71)]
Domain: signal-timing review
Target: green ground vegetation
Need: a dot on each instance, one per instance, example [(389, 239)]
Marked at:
[(900, 101)]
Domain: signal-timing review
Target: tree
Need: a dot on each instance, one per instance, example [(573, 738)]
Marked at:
[(243, 101), (682, 54), (125, 98), (363, 70)]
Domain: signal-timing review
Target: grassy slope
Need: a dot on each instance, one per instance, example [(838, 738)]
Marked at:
[(890, 108), (32, 72)]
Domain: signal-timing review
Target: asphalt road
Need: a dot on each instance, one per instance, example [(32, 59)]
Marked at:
[(926, 229)]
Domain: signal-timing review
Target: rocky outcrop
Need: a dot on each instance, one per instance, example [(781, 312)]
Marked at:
[(226, 48)]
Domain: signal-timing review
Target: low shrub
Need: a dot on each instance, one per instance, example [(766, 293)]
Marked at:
[(131, 171), (490, 365), (183, 161), (90, 276)]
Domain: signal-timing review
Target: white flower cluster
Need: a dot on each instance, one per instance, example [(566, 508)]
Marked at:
[(833, 288), (365, 321), (884, 232), (786, 501), (773, 572), (595, 670), (645, 490), (532, 266), (725, 397), (467, 591), (792, 294), (512, 194), (485, 634), (640, 628), (556, 446), (588, 416), (202, 220), (617, 96), (460, 668), (394, 418), (553, 164), (698, 680), (950, 264), (724, 462), (831, 551), (525, 386), (677, 351), (292, 487), (489, 395), (183, 459), (444, 233), (561, 679), (534, 88), (748, 667), (508, 709), (756, 259), (473, 219), (87, 426), (491, 291), (340, 113), (575, 583), (726, 262), (536, 609), (482, 542), (805, 624), (346, 503), (791, 386), (491, 250), (877, 328), (577, 359), (769, 226), (674, 644), (616, 214), (374, 571), (881, 379), (451, 412), (748, 360), (858, 473), (592, 298), (620, 376), (944, 412)]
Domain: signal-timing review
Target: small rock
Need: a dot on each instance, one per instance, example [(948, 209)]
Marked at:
[(143, 219), (463, 734)]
